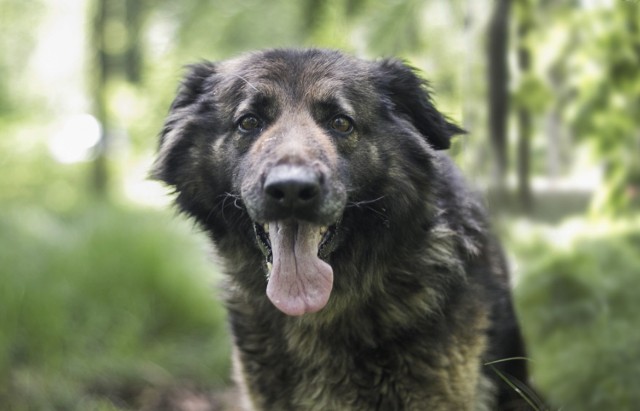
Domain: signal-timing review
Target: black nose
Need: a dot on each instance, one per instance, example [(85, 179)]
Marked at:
[(290, 188)]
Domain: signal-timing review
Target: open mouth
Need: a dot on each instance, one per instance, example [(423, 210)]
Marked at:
[(299, 278), (264, 241)]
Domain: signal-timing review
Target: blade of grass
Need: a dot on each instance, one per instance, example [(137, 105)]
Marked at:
[(518, 386)]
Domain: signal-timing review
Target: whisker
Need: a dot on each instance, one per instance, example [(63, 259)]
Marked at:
[(363, 202), (223, 205), (366, 205), (245, 80), (236, 199)]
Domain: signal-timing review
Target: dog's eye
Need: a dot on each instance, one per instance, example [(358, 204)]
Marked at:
[(249, 123), (341, 124)]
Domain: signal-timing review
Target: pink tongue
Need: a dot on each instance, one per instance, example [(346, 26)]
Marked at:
[(300, 282)]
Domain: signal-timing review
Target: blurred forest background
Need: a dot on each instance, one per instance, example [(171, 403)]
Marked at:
[(107, 298)]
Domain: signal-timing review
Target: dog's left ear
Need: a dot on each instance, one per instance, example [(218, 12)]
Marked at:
[(409, 95)]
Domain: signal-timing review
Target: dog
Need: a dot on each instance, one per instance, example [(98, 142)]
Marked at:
[(361, 273)]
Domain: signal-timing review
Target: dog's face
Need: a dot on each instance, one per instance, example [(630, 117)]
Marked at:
[(291, 139)]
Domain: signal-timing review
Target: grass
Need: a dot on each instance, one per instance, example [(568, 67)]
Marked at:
[(98, 306), (525, 392), (579, 307)]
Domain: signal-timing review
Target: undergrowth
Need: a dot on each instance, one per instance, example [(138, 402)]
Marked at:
[(98, 306)]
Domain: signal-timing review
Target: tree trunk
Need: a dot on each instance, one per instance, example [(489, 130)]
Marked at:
[(108, 64), (525, 197), (99, 81), (498, 77), (134, 20)]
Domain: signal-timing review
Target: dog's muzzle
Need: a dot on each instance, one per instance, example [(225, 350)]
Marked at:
[(296, 239)]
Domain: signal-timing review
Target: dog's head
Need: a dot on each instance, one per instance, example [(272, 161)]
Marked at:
[(290, 137)]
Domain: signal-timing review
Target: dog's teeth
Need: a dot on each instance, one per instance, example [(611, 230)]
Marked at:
[(323, 230), (269, 266), (265, 227)]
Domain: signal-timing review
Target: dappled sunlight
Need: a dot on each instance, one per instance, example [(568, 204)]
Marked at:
[(563, 236), (140, 189), (76, 140)]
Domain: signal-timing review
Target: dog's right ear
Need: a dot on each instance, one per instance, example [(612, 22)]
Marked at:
[(182, 125)]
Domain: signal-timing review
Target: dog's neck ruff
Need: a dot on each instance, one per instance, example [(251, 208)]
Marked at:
[(299, 282)]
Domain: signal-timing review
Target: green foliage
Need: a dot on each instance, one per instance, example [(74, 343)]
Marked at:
[(205, 30), (17, 19), (602, 71), (579, 308), (532, 94), (100, 304)]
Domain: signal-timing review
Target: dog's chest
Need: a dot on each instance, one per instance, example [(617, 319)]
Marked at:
[(305, 370)]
